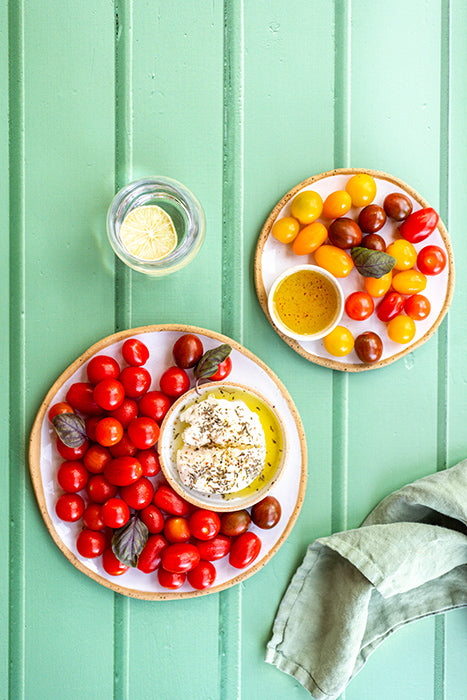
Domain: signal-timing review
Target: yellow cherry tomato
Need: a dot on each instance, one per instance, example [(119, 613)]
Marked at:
[(404, 253), (378, 287), (307, 206), (409, 282), (334, 260), (362, 189), (337, 204), (339, 342), (310, 238), (401, 329), (285, 229)]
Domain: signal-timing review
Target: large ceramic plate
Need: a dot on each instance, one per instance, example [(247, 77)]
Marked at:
[(248, 370), (273, 257)]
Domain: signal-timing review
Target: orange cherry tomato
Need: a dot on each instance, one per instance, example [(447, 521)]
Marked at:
[(337, 204), (362, 189), (404, 254), (401, 329), (378, 287), (306, 206), (409, 282), (339, 342), (310, 238), (285, 229), (334, 260)]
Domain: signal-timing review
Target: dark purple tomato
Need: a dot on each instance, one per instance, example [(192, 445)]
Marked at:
[(345, 233), (266, 513), (369, 347), (374, 242), (187, 350), (397, 206), (372, 218)]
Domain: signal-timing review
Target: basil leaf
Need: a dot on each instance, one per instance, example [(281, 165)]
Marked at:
[(70, 428), (207, 365), (128, 541), (372, 263)]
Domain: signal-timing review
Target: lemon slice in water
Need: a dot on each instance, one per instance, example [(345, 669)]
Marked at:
[(148, 233)]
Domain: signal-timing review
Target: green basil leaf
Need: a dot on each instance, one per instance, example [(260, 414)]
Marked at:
[(208, 363), (70, 428), (372, 263), (128, 541)]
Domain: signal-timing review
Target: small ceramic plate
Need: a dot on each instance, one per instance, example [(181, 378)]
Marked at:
[(273, 257), (247, 369)]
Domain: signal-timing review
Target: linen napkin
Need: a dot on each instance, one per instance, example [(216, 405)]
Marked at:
[(406, 561)]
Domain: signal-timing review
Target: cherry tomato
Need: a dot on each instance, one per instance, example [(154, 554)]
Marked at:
[(372, 218), (174, 382), (244, 550), (99, 489), (123, 471), (397, 206), (187, 350), (134, 352), (149, 460), (390, 306), (419, 225), (109, 431), (202, 576), (409, 282), (176, 529), (359, 306), (69, 507), (126, 411), (152, 518), (136, 381), (345, 233), (109, 394), (337, 204), (180, 557), (362, 189), (339, 342), (223, 370), (90, 424), (285, 229), (92, 517), (233, 524), (404, 254), (71, 453), (310, 238), (204, 524), (90, 543), (80, 396), (72, 476), (139, 494), (102, 367), (57, 408), (431, 260), (368, 347), (377, 287), (373, 242), (334, 260), (417, 307), (112, 565), (267, 513), (401, 329), (143, 432), (150, 556), (115, 512), (154, 405), (306, 206), (211, 550), (96, 458), (169, 580), (124, 448), (167, 500)]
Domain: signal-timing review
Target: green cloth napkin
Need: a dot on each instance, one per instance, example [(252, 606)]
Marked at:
[(354, 588)]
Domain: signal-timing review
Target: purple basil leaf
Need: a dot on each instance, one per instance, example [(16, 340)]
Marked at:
[(128, 541), (70, 428)]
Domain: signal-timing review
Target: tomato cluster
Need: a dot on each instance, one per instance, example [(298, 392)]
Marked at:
[(399, 291)]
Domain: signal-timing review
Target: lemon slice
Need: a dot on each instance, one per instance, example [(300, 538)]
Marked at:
[(148, 233)]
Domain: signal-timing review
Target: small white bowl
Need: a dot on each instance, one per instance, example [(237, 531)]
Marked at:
[(314, 336)]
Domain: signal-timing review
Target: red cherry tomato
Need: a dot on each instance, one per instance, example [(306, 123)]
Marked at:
[(234, 524), (123, 471), (202, 576), (136, 381), (115, 513), (71, 453), (92, 517), (167, 500), (223, 370), (419, 225), (143, 432), (90, 544), (57, 408), (72, 476), (109, 431), (102, 367), (244, 550), (390, 306), (112, 565), (359, 306), (153, 519), (204, 524), (135, 352), (176, 529), (125, 412), (154, 405), (174, 382), (170, 580), (150, 557), (149, 460), (69, 507), (188, 349), (431, 260), (211, 550), (90, 424), (99, 489), (80, 396), (417, 307), (180, 557), (96, 458), (123, 448), (109, 394), (139, 494)]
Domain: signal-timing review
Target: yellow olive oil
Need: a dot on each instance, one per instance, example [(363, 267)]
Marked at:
[(306, 302)]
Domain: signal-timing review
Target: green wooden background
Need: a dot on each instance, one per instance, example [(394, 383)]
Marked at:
[(240, 101)]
